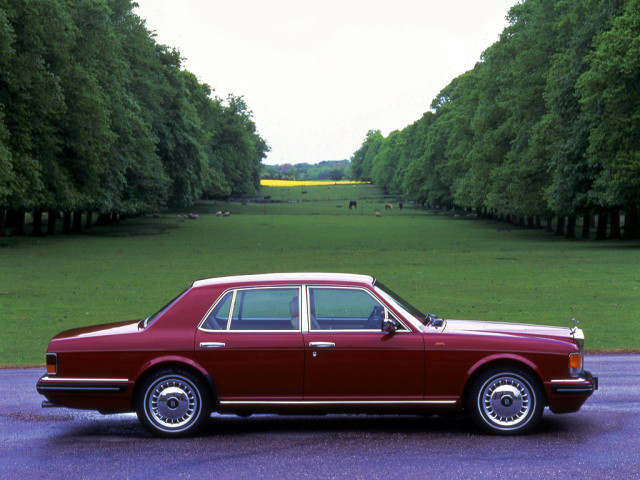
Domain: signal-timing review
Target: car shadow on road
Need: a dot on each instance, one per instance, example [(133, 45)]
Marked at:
[(230, 426)]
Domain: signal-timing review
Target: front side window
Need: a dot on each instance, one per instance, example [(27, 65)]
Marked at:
[(344, 309), (266, 309)]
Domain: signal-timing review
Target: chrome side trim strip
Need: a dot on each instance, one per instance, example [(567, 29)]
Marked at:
[(337, 402), (571, 380), (84, 380)]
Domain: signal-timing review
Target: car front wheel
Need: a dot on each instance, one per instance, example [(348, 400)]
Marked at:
[(506, 401), (173, 403)]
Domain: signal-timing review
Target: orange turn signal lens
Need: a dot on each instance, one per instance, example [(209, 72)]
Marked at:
[(52, 363), (575, 361), (575, 364)]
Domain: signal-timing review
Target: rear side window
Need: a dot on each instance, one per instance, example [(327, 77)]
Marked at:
[(218, 317), (266, 309)]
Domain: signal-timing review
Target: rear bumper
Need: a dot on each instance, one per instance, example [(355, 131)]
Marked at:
[(568, 395), (104, 394)]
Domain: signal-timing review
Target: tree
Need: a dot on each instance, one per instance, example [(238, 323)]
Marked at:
[(610, 96)]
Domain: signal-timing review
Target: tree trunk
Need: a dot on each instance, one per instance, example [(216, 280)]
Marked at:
[(18, 228), (571, 226), (87, 223), (490, 215), (36, 230), (530, 223), (601, 232), (3, 220), (560, 225), (52, 218), (77, 222), (586, 226), (614, 232), (538, 222), (103, 220), (507, 219), (66, 223), (549, 226), (115, 218), (631, 224)]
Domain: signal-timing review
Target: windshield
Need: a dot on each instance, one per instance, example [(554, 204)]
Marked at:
[(410, 309), (147, 321)]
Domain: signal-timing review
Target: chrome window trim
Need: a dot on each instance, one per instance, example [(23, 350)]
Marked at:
[(235, 290), (347, 287), (336, 402)]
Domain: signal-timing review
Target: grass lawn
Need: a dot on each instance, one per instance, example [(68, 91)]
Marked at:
[(457, 268)]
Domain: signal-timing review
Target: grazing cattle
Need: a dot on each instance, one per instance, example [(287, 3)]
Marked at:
[(304, 192), (218, 213), (155, 215), (353, 204), (226, 214), (457, 215), (193, 216), (388, 207), (400, 205), (267, 198), (378, 214)]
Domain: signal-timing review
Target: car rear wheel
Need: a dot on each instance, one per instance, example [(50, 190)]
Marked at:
[(173, 403), (506, 401)]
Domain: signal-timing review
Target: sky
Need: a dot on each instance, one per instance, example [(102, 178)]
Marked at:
[(319, 75)]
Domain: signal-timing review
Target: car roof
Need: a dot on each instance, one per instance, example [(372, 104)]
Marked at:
[(281, 278)]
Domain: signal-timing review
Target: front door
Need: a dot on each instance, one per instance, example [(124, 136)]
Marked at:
[(348, 357)]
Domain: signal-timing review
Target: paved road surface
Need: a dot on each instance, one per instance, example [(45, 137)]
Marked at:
[(601, 441)]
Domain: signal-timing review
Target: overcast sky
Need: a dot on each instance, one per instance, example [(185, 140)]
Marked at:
[(319, 75)]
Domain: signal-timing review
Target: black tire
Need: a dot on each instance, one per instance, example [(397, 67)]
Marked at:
[(173, 402), (506, 401)]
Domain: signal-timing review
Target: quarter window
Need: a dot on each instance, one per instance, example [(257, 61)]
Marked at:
[(218, 317), (344, 309), (266, 309)]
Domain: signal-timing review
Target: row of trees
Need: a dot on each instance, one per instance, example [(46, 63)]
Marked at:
[(96, 116), (546, 125), (325, 170)]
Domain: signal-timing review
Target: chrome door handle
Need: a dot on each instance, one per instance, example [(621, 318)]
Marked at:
[(322, 344), (211, 344)]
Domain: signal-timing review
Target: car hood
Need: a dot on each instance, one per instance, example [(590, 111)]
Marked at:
[(511, 329), (117, 328)]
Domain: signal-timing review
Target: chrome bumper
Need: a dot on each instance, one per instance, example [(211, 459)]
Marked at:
[(586, 385)]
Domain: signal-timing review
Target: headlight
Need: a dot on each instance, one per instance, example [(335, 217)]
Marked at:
[(575, 364)]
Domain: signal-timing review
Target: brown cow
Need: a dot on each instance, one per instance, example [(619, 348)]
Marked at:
[(388, 207)]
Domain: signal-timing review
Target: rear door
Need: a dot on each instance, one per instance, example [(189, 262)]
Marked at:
[(250, 342)]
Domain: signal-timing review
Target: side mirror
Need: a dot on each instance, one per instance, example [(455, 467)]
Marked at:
[(389, 325)]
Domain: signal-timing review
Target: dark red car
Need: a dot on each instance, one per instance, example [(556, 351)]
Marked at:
[(313, 343)]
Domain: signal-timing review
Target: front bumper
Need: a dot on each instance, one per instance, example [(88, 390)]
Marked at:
[(568, 395), (587, 384)]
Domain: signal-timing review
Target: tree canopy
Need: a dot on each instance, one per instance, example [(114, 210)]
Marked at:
[(545, 125), (96, 116)]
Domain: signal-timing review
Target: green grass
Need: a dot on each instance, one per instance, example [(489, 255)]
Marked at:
[(458, 268)]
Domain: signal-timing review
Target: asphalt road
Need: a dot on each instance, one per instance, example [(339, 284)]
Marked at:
[(601, 441)]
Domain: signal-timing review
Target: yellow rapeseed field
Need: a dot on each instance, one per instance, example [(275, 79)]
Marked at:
[(305, 183)]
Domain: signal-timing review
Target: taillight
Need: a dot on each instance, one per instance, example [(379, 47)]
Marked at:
[(575, 364), (52, 363)]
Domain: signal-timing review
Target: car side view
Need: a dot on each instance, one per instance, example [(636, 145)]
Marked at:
[(313, 343)]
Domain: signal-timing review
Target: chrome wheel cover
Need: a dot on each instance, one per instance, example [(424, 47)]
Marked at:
[(506, 401), (172, 403)]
